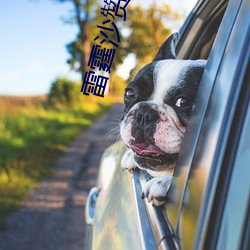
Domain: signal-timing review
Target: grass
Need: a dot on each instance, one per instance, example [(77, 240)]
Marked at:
[(31, 139)]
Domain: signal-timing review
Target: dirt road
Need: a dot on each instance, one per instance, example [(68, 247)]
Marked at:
[(53, 218)]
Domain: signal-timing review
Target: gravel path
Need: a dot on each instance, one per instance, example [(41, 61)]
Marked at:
[(53, 218)]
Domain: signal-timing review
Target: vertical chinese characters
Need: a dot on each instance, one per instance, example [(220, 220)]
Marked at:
[(101, 58)]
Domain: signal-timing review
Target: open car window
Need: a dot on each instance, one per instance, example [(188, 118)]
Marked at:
[(196, 41), (213, 30), (198, 170), (199, 31)]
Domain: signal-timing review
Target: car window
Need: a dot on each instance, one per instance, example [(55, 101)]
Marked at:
[(165, 224), (199, 31), (193, 129), (235, 212), (208, 130)]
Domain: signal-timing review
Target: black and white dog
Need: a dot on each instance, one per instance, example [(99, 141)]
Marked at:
[(158, 103)]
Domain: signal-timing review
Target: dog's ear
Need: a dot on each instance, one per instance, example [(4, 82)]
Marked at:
[(167, 49)]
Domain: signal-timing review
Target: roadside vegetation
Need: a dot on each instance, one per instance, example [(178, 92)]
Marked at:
[(34, 131)]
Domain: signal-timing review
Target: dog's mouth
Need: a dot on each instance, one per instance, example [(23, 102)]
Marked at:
[(149, 152)]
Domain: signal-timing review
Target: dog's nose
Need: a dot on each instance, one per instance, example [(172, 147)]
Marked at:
[(145, 117)]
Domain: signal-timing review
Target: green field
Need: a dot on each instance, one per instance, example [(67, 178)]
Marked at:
[(31, 138)]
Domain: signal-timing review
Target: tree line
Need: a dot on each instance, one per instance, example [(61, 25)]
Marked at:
[(141, 34)]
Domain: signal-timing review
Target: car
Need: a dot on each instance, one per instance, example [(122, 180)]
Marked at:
[(208, 203)]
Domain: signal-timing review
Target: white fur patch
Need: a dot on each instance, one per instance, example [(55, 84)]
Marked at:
[(169, 74), (157, 188), (128, 161), (125, 131), (167, 138)]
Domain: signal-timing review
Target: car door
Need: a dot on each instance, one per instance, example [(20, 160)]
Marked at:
[(207, 184), (121, 218)]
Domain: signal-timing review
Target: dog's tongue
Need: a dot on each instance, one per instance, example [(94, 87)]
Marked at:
[(145, 149)]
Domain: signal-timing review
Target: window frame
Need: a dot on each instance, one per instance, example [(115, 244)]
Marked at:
[(162, 228), (194, 138)]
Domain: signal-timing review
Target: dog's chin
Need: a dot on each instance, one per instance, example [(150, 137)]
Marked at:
[(156, 163), (150, 157)]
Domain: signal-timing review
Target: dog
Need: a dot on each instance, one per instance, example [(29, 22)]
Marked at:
[(158, 102)]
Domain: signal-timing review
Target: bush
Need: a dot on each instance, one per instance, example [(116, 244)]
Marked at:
[(64, 92), (31, 139)]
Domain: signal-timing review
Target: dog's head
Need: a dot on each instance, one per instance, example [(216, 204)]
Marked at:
[(158, 103)]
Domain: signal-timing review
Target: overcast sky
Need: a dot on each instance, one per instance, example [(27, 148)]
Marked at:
[(32, 44)]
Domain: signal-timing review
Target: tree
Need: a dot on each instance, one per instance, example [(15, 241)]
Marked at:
[(64, 92), (74, 47), (83, 17), (147, 32), (117, 86)]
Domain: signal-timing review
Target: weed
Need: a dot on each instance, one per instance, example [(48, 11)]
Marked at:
[(31, 139)]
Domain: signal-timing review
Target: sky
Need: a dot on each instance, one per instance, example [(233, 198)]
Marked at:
[(32, 44)]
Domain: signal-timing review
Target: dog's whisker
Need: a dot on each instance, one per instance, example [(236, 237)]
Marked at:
[(112, 132), (118, 138), (115, 121), (109, 136), (116, 129)]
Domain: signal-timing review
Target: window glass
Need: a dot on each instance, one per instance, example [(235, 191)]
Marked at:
[(236, 206)]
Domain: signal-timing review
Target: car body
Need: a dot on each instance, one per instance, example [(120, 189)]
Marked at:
[(209, 198)]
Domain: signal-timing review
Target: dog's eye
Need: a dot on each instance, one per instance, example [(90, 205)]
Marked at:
[(130, 94), (183, 102)]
